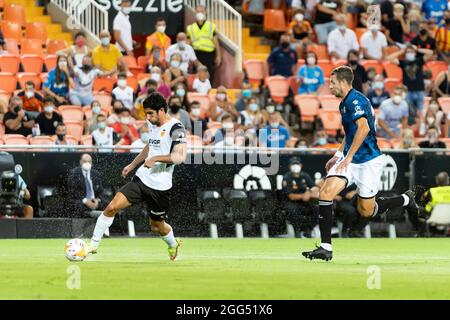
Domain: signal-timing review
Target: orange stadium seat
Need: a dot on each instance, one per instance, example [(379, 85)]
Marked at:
[(384, 143), (320, 50), (278, 88), (255, 70), (5, 97), (392, 70), (436, 67), (14, 13), (50, 61), (293, 84), (331, 121), (36, 30), (142, 61), (326, 65), (72, 138), (31, 46), (103, 84), (32, 63), (204, 101), (351, 21), (74, 128), (308, 106), (390, 84), (71, 113), (11, 30), (104, 99), (23, 77), (340, 62), (86, 140), (41, 140), (143, 76), (444, 102), (15, 139), (359, 32), (9, 63), (44, 76), (190, 81), (8, 82), (392, 49), (130, 61), (373, 64), (274, 20), (300, 62), (12, 46), (53, 46), (329, 102), (133, 83)]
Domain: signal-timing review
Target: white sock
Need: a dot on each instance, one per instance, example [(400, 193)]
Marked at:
[(170, 239), (406, 200), (103, 223), (326, 246)]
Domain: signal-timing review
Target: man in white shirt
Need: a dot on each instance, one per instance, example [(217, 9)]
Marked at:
[(123, 92), (140, 144), (186, 52), (373, 43), (342, 39), (122, 29)]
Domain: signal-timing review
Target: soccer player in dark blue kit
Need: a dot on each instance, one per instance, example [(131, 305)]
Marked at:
[(358, 161)]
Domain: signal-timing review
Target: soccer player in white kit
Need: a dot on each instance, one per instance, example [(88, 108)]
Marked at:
[(153, 180)]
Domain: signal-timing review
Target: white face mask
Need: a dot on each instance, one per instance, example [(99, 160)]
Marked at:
[(378, 85), (62, 64), (410, 56), (175, 63), (195, 112), (275, 124), (253, 107), (227, 125), (96, 109), (342, 27), (299, 17), (29, 94), (105, 41), (48, 109), (200, 16), (374, 27), (126, 10), (156, 77), (433, 107), (311, 60), (122, 83), (125, 120), (229, 141), (430, 120), (270, 109), (296, 168), (86, 166), (397, 99), (182, 45), (161, 29)]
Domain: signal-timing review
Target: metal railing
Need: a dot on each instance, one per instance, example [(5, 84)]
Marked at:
[(87, 15), (228, 24)]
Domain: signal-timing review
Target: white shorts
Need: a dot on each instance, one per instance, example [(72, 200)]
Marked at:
[(365, 175)]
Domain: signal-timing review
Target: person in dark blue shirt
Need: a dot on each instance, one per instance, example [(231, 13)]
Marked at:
[(282, 60), (434, 9), (358, 161), (274, 135)]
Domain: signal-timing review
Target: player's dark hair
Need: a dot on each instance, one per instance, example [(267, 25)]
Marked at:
[(343, 73), (155, 101)]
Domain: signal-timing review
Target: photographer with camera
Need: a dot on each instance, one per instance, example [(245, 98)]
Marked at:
[(16, 120), (24, 210)]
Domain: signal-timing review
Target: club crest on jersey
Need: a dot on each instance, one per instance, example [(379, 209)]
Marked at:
[(162, 133)]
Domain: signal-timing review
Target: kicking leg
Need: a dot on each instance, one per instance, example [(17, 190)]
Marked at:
[(330, 189), (165, 231), (106, 219)]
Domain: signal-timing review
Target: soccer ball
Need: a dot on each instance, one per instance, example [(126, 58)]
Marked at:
[(76, 250)]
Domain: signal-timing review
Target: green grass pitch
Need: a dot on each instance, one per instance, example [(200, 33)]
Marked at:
[(139, 268)]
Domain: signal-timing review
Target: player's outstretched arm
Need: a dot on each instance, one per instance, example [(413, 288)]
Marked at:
[(137, 161)]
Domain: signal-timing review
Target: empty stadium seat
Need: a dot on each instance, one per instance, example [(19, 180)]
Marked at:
[(26, 76), (326, 65), (9, 63), (391, 83), (50, 61), (104, 99), (41, 140), (255, 70), (12, 46), (436, 67), (14, 13), (274, 20), (359, 32), (74, 128), (31, 46), (331, 121), (384, 143), (293, 84), (5, 97), (320, 50), (32, 63), (11, 30), (278, 87), (104, 84), (367, 64), (71, 113), (392, 70), (142, 61), (36, 30), (15, 139), (8, 82), (86, 140), (53, 46), (308, 106), (329, 102), (133, 83)]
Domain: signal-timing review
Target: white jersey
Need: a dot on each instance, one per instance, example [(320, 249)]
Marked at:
[(104, 139), (161, 142)]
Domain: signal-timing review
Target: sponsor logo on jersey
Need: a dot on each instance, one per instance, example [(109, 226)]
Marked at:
[(154, 141), (358, 111)]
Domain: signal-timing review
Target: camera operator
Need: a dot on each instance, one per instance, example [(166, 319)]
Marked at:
[(16, 120), (24, 210)]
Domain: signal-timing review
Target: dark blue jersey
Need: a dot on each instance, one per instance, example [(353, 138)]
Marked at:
[(354, 106)]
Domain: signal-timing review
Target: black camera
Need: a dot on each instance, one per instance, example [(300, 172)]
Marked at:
[(10, 198)]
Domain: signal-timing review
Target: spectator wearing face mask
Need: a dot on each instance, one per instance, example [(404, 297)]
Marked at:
[(299, 189), (387, 9), (282, 60), (78, 51), (139, 144), (221, 106), (326, 11), (413, 77), (300, 30), (61, 139), (198, 125), (377, 94), (91, 123), (157, 44), (33, 102), (407, 139), (48, 120), (360, 79), (122, 29), (434, 9), (181, 91), (16, 120), (103, 135), (227, 130), (126, 131), (107, 57), (177, 112), (433, 118), (59, 81), (268, 110), (138, 110), (251, 118), (174, 75), (397, 26), (442, 84), (274, 135), (310, 76), (246, 94), (186, 52), (84, 76), (123, 92), (342, 39), (433, 141), (201, 82), (373, 43), (423, 39), (85, 189), (322, 140), (393, 115), (163, 88)]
